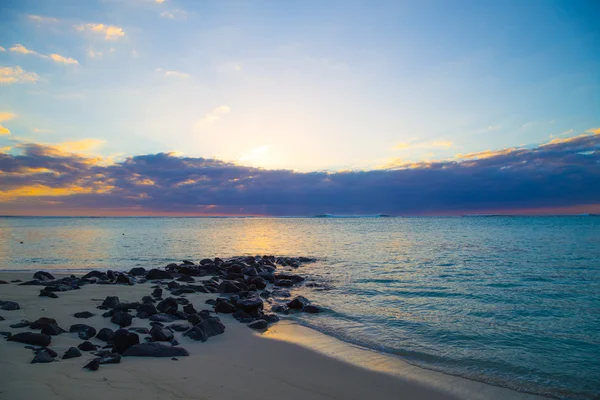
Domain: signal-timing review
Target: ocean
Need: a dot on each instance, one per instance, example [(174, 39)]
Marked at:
[(512, 301)]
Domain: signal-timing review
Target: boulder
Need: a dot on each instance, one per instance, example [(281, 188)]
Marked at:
[(95, 274), (161, 334), (121, 318), (147, 308), (36, 339), (123, 280), (105, 334), (84, 332), (42, 357), (47, 293), (189, 309), (250, 304), (157, 292), (83, 314), (86, 346), (259, 282), (52, 329), (41, 322), (167, 304), (164, 318), (92, 365), (312, 309), (123, 340), (259, 324), (154, 274), (224, 307), (9, 305), (137, 271), (298, 303), (284, 282), (71, 353), (208, 327), (43, 276), (111, 302), (155, 350), (179, 327)]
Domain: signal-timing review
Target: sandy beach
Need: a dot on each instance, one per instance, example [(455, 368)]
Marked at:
[(287, 361)]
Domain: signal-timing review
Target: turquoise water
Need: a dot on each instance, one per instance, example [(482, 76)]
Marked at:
[(513, 301)]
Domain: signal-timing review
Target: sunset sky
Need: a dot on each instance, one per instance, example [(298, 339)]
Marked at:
[(158, 107)]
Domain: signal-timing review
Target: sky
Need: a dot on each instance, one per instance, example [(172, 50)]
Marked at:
[(175, 107)]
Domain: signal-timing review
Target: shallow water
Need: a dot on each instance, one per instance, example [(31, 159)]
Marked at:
[(513, 301)]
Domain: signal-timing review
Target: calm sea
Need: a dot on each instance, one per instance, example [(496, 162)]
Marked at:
[(513, 301)]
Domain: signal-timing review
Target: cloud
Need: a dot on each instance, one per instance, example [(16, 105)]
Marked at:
[(548, 176), (19, 48), (213, 116), (64, 60), (42, 19), (595, 131), (40, 130), (110, 32), (160, 1), (5, 149), (177, 74), (93, 53), (174, 14), (423, 145), (16, 74), (5, 116), (2, 49)]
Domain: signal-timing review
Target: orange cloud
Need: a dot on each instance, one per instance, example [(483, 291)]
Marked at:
[(5, 116), (110, 32), (16, 74)]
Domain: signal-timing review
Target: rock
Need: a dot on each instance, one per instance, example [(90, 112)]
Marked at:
[(210, 326), (224, 307), (112, 358), (280, 309), (123, 340), (270, 318), (92, 365), (259, 324), (141, 331), (43, 276), (6, 334), (148, 300), (164, 318), (47, 293), (22, 324), (229, 287), (281, 293), (147, 308), (84, 332), (167, 304), (212, 302), (161, 334), (105, 334), (291, 277), (250, 304), (58, 288), (86, 346), (41, 322), (189, 309), (1, 318), (137, 271), (157, 292), (84, 314), (9, 306), (71, 353), (155, 350), (111, 302), (52, 330), (42, 357), (36, 339), (95, 274), (123, 280), (242, 316), (43, 349), (309, 308), (284, 282), (3, 282), (185, 278), (154, 274), (259, 282), (121, 318), (179, 327), (298, 303)]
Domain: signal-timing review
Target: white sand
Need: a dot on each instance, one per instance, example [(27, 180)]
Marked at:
[(286, 362)]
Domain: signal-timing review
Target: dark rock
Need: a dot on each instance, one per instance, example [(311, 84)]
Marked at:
[(161, 334), (242, 316), (148, 300), (105, 334), (163, 318), (94, 274), (189, 309), (281, 293), (265, 294), (121, 318), (312, 309), (52, 330), (157, 292), (212, 302), (83, 314), (108, 314), (224, 308), (92, 365), (284, 283), (270, 318), (41, 322), (84, 332), (42, 357), (154, 274), (259, 324), (188, 262), (173, 285), (111, 302), (87, 346), (291, 277), (182, 301), (194, 319), (210, 326), (47, 293), (155, 350), (179, 327), (72, 353), (148, 308), (137, 271), (1, 318), (22, 324), (123, 280), (9, 306), (298, 303), (123, 339), (167, 304), (112, 358), (140, 330), (229, 287), (185, 278), (36, 339), (43, 276), (43, 349), (6, 334), (128, 306), (249, 304), (280, 309), (3, 282), (153, 323), (31, 283)]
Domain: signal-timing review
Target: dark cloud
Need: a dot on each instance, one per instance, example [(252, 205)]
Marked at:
[(561, 173)]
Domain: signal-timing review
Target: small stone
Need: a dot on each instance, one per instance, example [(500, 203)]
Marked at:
[(84, 314), (73, 352), (47, 293)]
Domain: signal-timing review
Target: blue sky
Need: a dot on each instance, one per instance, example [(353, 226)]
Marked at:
[(301, 85)]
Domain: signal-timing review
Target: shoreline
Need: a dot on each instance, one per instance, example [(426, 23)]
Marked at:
[(300, 362)]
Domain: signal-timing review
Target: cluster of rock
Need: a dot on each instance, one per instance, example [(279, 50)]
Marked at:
[(244, 285)]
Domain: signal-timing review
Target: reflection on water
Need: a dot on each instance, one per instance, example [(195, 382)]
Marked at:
[(512, 301)]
